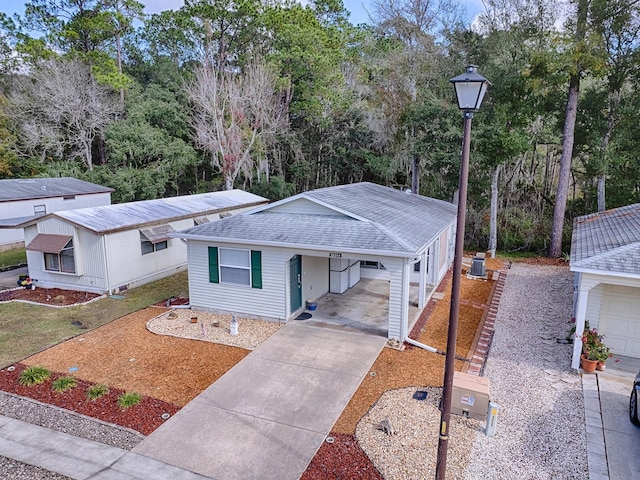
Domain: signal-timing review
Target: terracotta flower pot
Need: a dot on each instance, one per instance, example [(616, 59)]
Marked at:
[(588, 366), (601, 366)]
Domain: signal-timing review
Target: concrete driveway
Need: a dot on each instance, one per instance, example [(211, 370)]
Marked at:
[(267, 416), (622, 438)]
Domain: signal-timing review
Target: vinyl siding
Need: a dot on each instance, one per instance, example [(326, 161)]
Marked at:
[(315, 277), (303, 205), (398, 299), (594, 304)]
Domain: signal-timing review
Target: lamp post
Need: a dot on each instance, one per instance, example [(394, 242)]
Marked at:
[(470, 89)]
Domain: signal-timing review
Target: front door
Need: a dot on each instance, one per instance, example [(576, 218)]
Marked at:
[(295, 282)]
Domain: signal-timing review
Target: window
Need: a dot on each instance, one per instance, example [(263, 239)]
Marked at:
[(61, 262), (373, 265), (235, 266), (39, 209), (149, 247)]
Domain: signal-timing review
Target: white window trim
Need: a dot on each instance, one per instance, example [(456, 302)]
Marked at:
[(222, 265)]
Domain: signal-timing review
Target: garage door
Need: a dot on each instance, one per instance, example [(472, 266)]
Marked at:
[(620, 319)]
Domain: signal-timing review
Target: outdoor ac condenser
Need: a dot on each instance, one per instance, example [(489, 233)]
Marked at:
[(478, 265), (470, 396)]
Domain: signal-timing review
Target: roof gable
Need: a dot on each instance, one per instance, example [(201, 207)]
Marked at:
[(608, 241)]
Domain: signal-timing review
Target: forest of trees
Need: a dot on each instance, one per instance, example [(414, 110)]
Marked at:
[(277, 97)]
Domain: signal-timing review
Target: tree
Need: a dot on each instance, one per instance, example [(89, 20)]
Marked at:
[(236, 116), (61, 110)]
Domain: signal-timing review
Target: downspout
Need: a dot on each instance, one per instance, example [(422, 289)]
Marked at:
[(106, 264)]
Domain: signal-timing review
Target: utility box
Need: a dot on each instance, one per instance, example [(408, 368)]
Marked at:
[(478, 265), (470, 396)]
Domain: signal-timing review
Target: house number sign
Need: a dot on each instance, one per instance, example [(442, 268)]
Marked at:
[(335, 255)]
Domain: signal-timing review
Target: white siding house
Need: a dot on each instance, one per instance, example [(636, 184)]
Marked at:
[(270, 261), (24, 199), (605, 256), (115, 247)]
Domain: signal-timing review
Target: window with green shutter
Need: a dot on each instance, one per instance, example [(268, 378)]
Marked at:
[(256, 269), (214, 274)]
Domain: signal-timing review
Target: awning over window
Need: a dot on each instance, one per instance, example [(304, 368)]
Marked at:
[(201, 220), (157, 234), (45, 242)]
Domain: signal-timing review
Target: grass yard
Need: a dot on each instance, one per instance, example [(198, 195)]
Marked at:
[(27, 329), (11, 258)]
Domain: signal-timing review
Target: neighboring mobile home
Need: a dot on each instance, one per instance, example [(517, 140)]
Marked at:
[(25, 199), (605, 256), (115, 247), (269, 262)]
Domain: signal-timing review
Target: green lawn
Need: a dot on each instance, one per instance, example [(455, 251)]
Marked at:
[(27, 329), (11, 258)]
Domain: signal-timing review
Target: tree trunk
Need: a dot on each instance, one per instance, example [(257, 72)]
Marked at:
[(493, 216), (415, 176), (555, 246), (601, 193)]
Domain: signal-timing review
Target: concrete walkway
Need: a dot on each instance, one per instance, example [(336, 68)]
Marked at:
[(265, 418), (268, 415)]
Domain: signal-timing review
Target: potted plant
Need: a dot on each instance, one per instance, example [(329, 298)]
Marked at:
[(591, 347)]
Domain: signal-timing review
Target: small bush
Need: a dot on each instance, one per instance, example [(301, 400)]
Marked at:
[(96, 391), (63, 384), (129, 399), (34, 375)]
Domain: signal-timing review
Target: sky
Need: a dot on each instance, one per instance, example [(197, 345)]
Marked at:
[(358, 8)]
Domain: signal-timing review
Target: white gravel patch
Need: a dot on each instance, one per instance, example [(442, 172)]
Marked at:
[(540, 428), (212, 327)]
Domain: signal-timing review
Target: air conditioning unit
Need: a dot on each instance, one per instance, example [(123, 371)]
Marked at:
[(478, 265)]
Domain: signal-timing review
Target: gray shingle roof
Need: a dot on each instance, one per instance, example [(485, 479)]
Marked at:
[(367, 217), (608, 241), (109, 218), (31, 188)]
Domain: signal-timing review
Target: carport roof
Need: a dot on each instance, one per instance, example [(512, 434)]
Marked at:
[(607, 241), (354, 217)]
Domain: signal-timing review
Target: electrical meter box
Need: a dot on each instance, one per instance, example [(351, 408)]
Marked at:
[(470, 396)]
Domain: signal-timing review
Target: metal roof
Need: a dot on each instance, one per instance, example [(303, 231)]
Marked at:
[(607, 241), (121, 216), (33, 188), (360, 216)]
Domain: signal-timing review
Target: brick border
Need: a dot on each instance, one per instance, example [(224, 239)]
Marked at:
[(482, 343)]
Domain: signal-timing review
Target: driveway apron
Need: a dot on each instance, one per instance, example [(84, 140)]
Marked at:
[(267, 416)]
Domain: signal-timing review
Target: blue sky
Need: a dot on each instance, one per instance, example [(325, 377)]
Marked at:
[(358, 8)]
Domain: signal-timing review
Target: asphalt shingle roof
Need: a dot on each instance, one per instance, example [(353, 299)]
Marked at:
[(608, 241), (367, 217)]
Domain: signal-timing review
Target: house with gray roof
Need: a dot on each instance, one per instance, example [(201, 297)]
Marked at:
[(111, 248), (605, 256), (275, 260), (24, 199)]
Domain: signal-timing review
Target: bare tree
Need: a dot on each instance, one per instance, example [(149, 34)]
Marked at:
[(236, 117), (61, 109)]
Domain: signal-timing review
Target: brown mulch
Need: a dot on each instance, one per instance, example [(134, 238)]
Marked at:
[(144, 417), (48, 296), (124, 354)]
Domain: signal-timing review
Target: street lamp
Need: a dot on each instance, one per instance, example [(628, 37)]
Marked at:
[(470, 89)]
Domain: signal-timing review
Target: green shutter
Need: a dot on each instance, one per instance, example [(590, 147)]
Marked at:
[(256, 269), (214, 275)]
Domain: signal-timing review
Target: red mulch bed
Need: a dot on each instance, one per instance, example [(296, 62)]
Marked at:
[(48, 296), (341, 460), (144, 417)]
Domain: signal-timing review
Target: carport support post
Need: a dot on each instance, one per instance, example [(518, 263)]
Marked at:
[(449, 367)]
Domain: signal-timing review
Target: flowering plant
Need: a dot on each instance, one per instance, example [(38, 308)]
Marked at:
[(593, 348)]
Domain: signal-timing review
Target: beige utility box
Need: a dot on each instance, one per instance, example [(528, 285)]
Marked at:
[(470, 396)]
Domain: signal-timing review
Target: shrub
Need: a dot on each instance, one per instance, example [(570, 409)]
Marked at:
[(96, 391), (34, 375), (129, 399), (63, 384)]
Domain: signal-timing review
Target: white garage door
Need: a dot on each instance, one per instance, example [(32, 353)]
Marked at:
[(620, 319)]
